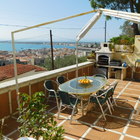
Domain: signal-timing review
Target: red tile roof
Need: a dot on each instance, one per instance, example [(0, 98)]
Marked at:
[(8, 70)]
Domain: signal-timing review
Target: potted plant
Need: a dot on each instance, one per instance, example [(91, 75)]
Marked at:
[(35, 121), (91, 57), (112, 47), (123, 43)]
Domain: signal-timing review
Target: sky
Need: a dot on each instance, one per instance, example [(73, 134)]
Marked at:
[(17, 14)]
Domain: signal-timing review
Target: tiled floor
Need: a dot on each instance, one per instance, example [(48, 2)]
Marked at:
[(121, 125)]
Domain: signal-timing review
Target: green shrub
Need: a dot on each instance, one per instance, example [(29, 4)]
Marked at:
[(34, 119), (122, 40)]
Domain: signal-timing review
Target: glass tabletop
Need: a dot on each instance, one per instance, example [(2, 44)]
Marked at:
[(74, 87)]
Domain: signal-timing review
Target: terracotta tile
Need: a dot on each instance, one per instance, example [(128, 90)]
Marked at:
[(136, 116), (111, 80), (52, 107), (116, 92), (51, 103), (125, 103), (97, 134), (136, 87), (128, 138), (123, 82), (134, 129), (15, 135), (66, 112), (16, 115), (121, 112), (79, 127), (132, 91), (112, 123), (74, 130), (90, 117), (129, 97), (135, 83), (59, 120), (54, 110), (118, 89), (10, 125)]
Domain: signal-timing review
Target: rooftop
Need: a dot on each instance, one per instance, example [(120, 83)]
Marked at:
[(8, 70)]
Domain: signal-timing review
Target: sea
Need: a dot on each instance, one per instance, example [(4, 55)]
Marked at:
[(25, 46)]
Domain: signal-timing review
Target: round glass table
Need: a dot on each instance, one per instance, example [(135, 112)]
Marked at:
[(83, 91), (74, 87)]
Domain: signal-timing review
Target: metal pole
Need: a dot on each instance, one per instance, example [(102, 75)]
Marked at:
[(51, 43), (105, 29), (76, 59), (54, 21), (15, 68)]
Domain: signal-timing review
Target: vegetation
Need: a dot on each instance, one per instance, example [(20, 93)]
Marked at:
[(63, 62), (91, 55), (123, 5), (122, 40), (34, 119), (127, 29)]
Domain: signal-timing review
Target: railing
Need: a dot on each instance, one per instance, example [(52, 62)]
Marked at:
[(34, 83)]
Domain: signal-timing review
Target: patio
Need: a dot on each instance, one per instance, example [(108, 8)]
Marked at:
[(123, 124)]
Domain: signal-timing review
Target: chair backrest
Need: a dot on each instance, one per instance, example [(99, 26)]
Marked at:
[(107, 93), (100, 75), (61, 79), (50, 84), (64, 96), (115, 85), (110, 91)]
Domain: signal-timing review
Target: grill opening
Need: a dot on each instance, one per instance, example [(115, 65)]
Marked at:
[(103, 60)]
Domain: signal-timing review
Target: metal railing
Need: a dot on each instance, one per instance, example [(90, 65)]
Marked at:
[(34, 83)]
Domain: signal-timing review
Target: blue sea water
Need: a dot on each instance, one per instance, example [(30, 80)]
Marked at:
[(25, 46)]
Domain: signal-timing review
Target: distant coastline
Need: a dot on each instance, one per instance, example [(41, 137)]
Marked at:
[(7, 45)]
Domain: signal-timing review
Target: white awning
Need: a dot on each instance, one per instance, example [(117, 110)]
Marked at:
[(89, 25), (133, 17)]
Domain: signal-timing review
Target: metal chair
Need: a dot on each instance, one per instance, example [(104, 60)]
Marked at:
[(68, 101), (111, 100), (50, 86), (100, 75), (102, 99), (61, 79)]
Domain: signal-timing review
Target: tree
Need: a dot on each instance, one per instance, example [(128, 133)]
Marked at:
[(63, 62), (123, 5), (127, 29)]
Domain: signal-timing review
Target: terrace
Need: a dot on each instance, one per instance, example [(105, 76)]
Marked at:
[(123, 124)]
